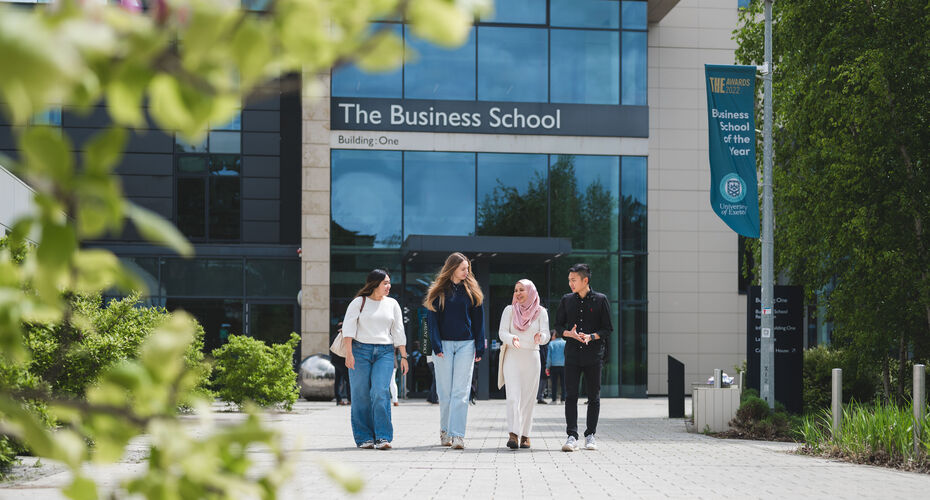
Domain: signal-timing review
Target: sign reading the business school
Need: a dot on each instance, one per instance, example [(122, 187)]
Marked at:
[(734, 191), (481, 117)]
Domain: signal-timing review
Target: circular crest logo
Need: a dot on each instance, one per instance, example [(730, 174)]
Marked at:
[(733, 188)]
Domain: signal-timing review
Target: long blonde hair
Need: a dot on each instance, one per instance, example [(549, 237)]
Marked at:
[(443, 282)]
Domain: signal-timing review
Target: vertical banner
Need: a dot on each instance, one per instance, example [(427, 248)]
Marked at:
[(731, 128)]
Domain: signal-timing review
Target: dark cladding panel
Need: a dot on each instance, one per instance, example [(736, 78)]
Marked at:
[(260, 232), (261, 210), (261, 143), (146, 164), (161, 206), (150, 141), (261, 166), (7, 138), (154, 186), (263, 189), (261, 121), (98, 117)]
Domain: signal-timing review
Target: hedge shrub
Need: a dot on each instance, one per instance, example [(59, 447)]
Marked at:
[(860, 382), (247, 369)]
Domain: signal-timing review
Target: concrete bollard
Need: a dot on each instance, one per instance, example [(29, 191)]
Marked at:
[(837, 402), (919, 399), (717, 382)]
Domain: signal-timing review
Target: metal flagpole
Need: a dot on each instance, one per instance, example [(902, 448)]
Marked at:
[(767, 356)]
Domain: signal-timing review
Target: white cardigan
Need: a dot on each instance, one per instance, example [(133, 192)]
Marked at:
[(507, 332), (380, 322)]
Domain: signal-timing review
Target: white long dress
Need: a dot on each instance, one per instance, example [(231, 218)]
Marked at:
[(520, 369)]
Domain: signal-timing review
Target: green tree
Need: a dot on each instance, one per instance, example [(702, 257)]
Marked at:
[(193, 62), (852, 144)]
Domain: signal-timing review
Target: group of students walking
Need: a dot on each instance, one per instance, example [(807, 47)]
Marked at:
[(373, 328)]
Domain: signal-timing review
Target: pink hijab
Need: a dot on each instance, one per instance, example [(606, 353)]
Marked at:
[(524, 314)]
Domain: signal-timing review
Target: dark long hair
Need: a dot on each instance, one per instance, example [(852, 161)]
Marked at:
[(375, 277)]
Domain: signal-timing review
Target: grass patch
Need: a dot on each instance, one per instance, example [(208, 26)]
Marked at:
[(878, 434)]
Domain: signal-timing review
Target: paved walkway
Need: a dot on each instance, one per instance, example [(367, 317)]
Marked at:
[(641, 455)]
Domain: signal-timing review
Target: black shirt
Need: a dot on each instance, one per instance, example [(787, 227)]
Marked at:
[(589, 315)]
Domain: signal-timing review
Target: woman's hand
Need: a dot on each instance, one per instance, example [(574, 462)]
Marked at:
[(516, 342), (350, 361), (537, 339), (440, 355), (403, 366)]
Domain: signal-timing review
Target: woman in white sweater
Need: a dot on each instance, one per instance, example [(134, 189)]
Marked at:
[(524, 327), (373, 327)]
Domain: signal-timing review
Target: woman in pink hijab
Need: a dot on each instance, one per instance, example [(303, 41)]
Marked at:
[(524, 327)]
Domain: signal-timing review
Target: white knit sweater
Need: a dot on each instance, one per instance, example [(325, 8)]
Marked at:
[(380, 322)]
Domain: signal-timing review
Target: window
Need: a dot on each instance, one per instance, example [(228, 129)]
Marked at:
[(439, 193), (351, 81), (633, 203), (513, 194), (439, 73), (585, 67), (208, 201), (222, 138), (519, 12), (584, 193), (634, 68), (585, 13), (512, 64), (633, 15), (366, 198)]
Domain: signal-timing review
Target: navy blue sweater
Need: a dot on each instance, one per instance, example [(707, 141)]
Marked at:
[(458, 320)]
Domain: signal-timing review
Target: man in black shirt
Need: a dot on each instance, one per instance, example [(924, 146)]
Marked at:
[(584, 318)]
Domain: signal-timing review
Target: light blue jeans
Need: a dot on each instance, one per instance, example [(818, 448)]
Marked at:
[(453, 384), (371, 393)]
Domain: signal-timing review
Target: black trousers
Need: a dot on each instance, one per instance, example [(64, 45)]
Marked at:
[(341, 386), (557, 378), (592, 386)]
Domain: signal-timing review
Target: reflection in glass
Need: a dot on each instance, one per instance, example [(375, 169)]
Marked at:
[(440, 73), (182, 146), (633, 351), (271, 323), (220, 318), (604, 274), (633, 15), (191, 206), (584, 197), (225, 142), (585, 67), (272, 278), (192, 164), (634, 68), (512, 194), (610, 373), (633, 203), (512, 64), (224, 208), (202, 277), (585, 13), (351, 81), (634, 278), (366, 198), (519, 11), (234, 123), (439, 193)]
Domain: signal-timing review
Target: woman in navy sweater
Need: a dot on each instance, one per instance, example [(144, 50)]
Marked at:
[(455, 325)]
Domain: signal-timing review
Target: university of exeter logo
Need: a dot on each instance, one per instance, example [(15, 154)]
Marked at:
[(733, 188)]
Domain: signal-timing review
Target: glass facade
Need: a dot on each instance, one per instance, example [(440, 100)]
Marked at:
[(590, 52), (229, 296), (598, 202), (577, 51)]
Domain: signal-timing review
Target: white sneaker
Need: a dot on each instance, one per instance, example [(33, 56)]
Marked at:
[(589, 443), (383, 444), (458, 443), (571, 444), (445, 439), (367, 445)]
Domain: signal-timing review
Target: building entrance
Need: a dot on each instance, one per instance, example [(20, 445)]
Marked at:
[(498, 262)]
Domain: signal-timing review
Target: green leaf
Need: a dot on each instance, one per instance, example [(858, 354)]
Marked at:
[(439, 21), (48, 152), (157, 230), (98, 269), (348, 477), (81, 488), (124, 96), (168, 106), (104, 150), (56, 249), (251, 49)]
